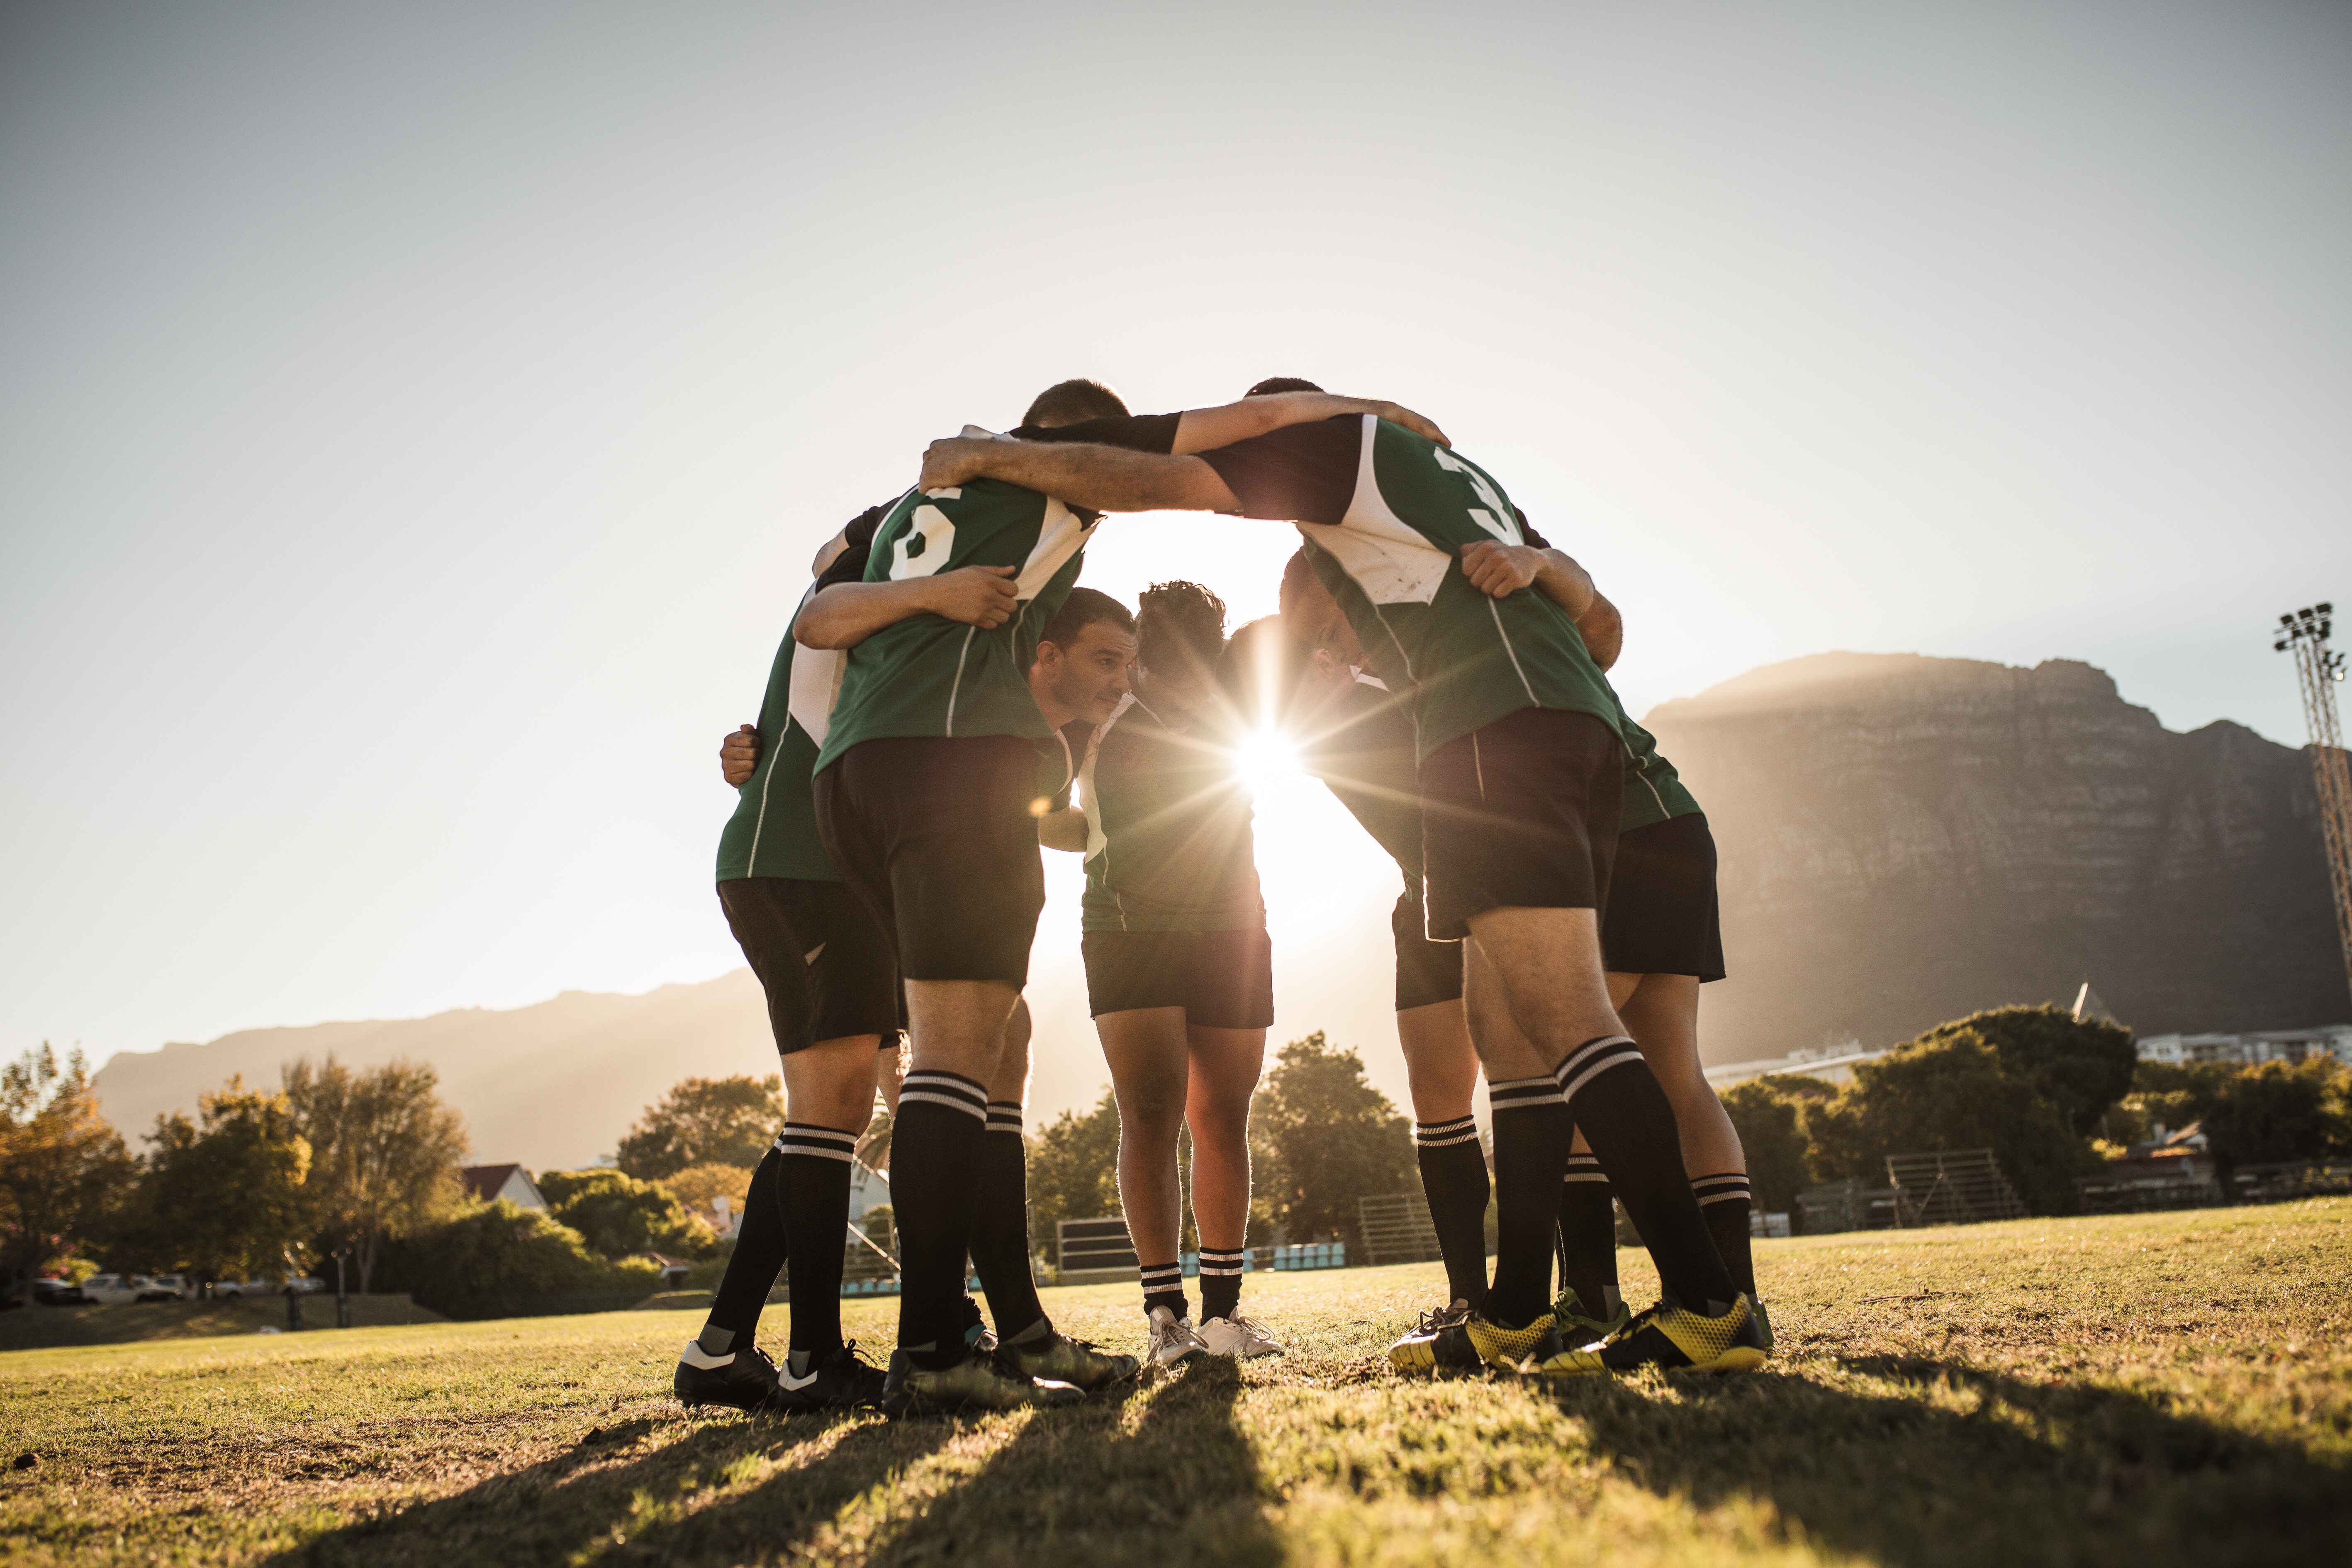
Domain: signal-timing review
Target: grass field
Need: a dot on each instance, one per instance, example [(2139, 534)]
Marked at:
[(2150, 1391), (46, 1327)]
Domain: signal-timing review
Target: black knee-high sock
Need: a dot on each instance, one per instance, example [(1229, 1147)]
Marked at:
[(1532, 1130), (1588, 1236), (812, 1194), (934, 1172), (1163, 1286), (1000, 1224), (751, 1267), (1630, 1123), (1725, 1200), (1453, 1177), (1221, 1281)]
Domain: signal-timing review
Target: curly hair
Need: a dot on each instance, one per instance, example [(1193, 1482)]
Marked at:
[(1178, 623)]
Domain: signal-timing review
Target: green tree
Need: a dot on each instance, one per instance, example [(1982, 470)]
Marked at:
[(1768, 1114), (704, 1121), (495, 1257), (1074, 1168), (1950, 1092), (618, 1214), (63, 1170), (2279, 1112), (2081, 1066), (223, 1194), (385, 1151), (1321, 1137)]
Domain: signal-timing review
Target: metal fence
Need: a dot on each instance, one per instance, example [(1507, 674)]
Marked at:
[(1396, 1228)]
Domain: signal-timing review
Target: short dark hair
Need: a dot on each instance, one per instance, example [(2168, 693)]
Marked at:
[(1067, 401), (1082, 609), (1180, 621), (1274, 383)]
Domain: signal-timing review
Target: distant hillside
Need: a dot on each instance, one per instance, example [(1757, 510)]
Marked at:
[(1905, 839), (550, 1085)]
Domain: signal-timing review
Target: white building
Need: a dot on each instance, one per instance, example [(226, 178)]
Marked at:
[(2251, 1050), (512, 1182)]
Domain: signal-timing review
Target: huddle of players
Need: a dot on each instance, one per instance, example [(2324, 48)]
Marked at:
[(1459, 712)]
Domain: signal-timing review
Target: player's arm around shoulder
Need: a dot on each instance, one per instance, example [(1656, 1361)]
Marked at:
[(1204, 429), (847, 614), (1101, 479)]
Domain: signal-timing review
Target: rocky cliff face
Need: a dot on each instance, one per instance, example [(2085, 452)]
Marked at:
[(1906, 839)]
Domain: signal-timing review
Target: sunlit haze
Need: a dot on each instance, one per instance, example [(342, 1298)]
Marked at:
[(418, 419)]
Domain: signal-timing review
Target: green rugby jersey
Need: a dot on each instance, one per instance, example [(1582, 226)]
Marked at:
[(927, 676), (1386, 515), (1653, 791), (773, 832), (1168, 830)]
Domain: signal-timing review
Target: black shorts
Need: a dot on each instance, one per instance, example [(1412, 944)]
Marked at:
[(825, 965), (1663, 918), (1223, 979), (1520, 815), (1426, 972), (935, 836)]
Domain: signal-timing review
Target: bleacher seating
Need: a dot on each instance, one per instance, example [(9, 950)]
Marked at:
[(1959, 1186), (1396, 1228)]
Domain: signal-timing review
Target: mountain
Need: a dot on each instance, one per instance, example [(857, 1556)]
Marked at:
[(1905, 839), (549, 1086)]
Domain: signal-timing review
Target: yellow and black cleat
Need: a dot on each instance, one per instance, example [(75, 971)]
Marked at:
[(1577, 1329), (1505, 1349), (1668, 1336), (1440, 1340)]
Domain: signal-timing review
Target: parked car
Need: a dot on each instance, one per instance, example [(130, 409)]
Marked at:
[(171, 1288), (267, 1287), (58, 1293), (115, 1289)]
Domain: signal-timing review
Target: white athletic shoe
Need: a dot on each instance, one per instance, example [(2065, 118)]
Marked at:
[(1238, 1337), (1173, 1339)]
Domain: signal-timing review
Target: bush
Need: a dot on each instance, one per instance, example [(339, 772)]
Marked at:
[(619, 1215), (494, 1259), (1769, 1115), (1073, 1171), (1950, 1091)]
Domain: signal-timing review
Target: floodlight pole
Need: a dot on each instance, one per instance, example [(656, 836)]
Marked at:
[(2319, 670)]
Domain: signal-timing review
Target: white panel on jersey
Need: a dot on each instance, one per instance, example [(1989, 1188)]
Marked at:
[(816, 681), (926, 545), (1060, 535), (1095, 842), (1389, 560)]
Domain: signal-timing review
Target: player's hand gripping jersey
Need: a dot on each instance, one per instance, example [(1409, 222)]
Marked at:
[(927, 676), (1386, 514)]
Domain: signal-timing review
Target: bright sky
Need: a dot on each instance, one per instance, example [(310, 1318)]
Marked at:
[(415, 421)]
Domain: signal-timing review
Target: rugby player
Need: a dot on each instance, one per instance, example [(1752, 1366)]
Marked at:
[(832, 991), (1521, 760), (928, 800), (1180, 973)]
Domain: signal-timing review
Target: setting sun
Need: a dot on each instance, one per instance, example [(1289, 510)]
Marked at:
[(1265, 758)]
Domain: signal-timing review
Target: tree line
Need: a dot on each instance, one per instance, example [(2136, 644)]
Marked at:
[(2052, 1097)]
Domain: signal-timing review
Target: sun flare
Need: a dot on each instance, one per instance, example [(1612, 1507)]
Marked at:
[(1266, 758)]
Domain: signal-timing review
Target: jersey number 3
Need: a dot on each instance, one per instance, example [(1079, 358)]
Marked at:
[(1496, 517), (926, 545)]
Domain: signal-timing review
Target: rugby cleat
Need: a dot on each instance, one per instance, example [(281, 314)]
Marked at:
[(740, 1380), (1173, 1339), (1668, 1336), (1507, 1349), (977, 1383), (1576, 1329), (1439, 1339), (1763, 1322), (844, 1379), (1239, 1338), (1055, 1357)]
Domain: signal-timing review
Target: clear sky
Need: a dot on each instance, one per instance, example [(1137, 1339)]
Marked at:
[(415, 421)]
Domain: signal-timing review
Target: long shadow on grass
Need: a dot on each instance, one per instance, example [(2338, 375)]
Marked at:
[(579, 1502), (1953, 1467), (1137, 1475)]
